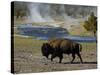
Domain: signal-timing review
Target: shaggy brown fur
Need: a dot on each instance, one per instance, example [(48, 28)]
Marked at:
[(56, 47)]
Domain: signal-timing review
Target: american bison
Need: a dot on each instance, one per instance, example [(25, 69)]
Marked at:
[(56, 47)]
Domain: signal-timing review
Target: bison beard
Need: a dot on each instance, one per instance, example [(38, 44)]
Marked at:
[(56, 47)]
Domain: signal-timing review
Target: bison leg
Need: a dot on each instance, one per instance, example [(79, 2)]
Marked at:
[(73, 55), (60, 57), (78, 54), (47, 56), (53, 56)]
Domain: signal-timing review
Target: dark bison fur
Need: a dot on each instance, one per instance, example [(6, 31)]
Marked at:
[(46, 50), (58, 47)]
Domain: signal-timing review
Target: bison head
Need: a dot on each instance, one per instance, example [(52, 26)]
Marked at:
[(46, 49)]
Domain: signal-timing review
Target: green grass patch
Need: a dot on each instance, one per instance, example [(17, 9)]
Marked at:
[(28, 44), (89, 46), (34, 45)]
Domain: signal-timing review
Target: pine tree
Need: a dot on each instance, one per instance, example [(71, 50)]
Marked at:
[(91, 24)]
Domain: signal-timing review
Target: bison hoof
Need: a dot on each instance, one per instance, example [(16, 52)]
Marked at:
[(71, 62), (81, 62), (60, 62)]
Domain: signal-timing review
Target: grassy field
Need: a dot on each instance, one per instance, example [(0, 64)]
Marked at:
[(28, 57), (79, 30)]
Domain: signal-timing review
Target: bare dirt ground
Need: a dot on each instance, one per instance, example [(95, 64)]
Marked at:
[(28, 58), (37, 64)]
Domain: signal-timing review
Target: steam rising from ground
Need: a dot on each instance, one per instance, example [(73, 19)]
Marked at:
[(35, 13), (40, 12)]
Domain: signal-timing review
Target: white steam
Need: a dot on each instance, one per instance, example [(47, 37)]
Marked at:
[(35, 13), (40, 12)]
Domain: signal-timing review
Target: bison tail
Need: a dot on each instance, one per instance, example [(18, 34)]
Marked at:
[(80, 47)]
